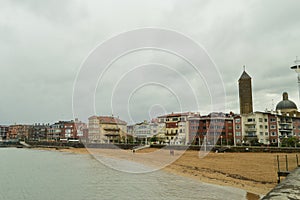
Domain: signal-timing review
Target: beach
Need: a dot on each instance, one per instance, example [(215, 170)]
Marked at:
[(253, 172)]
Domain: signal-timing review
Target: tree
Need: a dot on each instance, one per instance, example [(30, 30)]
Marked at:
[(290, 142)]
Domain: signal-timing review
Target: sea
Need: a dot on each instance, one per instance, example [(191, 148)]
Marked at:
[(31, 174)]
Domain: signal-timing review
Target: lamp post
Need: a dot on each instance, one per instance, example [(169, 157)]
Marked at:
[(296, 68), (221, 139)]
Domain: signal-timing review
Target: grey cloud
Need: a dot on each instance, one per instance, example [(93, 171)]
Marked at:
[(43, 44)]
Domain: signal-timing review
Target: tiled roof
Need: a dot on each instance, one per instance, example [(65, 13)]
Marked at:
[(178, 114), (111, 120)]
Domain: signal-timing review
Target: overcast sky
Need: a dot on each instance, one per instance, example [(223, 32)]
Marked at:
[(44, 43)]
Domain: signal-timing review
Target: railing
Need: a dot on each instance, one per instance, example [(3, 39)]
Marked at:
[(251, 129), (285, 172)]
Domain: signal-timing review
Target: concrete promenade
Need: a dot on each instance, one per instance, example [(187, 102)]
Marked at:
[(289, 188)]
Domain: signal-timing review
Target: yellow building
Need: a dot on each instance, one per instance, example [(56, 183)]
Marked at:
[(106, 129)]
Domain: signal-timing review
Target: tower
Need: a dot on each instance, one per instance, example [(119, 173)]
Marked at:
[(245, 93), (296, 67)]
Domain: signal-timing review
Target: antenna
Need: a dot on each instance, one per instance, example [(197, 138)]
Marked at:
[(296, 68), (244, 67), (297, 61)]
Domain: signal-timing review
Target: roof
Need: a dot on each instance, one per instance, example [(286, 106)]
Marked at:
[(245, 75), (178, 114), (111, 120), (285, 103)]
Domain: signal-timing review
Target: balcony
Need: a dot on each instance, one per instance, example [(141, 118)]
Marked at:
[(285, 129), (251, 129), (171, 134), (250, 123), (250, 135), (285, 122)]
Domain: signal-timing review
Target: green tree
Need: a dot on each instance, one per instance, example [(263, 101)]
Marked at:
[(290, 142)]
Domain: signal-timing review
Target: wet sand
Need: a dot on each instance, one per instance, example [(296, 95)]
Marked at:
[(252, 172)]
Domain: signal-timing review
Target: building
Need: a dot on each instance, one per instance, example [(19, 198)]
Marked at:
[(177, 127), (215, 128), (289, 118), (38, 132), (3, 132), (142, 132), (107, 129), (259, 128), (245, 94), (66, 130), (18, 132)]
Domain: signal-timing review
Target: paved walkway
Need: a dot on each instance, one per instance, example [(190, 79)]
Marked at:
[(289, 188)]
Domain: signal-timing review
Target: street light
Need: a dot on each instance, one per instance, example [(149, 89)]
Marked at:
[(221, 139)]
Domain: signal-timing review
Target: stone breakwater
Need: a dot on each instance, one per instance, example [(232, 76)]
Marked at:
[(289, 188)]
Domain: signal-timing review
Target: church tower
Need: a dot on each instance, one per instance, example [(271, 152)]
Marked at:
[(245, 93)]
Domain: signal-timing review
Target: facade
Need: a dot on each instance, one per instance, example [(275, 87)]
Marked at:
[(177, 127), (258, 127), (3, 132), (245, 94), (54, 132), (38, 132), (66, 130), (107, 129), (238, 130), (18, 132), (142, 132), (215, 128)]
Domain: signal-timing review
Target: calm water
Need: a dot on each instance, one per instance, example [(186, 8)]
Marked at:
[(42, 175)]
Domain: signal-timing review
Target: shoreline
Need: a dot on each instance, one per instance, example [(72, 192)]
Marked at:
[(254, 173)]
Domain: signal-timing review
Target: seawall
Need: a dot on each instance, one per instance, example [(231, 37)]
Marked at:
[(289, 188)]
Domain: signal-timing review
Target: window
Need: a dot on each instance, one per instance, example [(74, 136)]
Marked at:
[(261, 141), (238, 120), (266, 133), (260, 126), (274, 140), (266, 120), (273, 126), (273, 134), (273, 119), (261, 133), (238, 134), (237, 126), (260, 120), (266, 127)]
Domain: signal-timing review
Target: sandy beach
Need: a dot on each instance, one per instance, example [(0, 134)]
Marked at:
[(252, 172)]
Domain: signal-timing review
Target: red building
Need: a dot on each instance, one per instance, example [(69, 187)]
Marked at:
[(215, 128), (67, 130), (238, 130)]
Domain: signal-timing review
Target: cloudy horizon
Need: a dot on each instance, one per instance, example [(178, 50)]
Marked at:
[(45, 43)]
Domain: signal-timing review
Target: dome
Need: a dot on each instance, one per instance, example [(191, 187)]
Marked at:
[(286, 104)]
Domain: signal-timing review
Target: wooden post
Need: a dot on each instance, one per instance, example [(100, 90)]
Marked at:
[(286, 163), (278, 164), (278, 172)]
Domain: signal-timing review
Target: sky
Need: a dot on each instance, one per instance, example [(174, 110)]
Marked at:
[(45, 46)]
